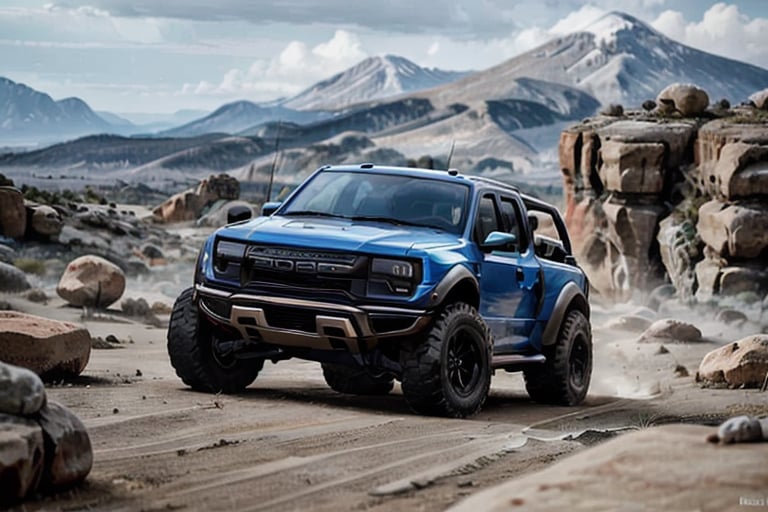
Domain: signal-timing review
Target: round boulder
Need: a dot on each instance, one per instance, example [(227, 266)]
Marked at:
[(687, 99), (670, 331), (12, 279), (21, 390), (91, 281), (13, 214), (743, 363), (50, 348), (46, 221), (21, 458), (68, 452), (760, 99)]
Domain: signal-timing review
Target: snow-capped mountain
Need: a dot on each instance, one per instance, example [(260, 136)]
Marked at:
[(620, 59), (374, 78), (26, 112)]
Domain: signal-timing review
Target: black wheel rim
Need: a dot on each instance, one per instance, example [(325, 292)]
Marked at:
[(464, 359), (579, 362)]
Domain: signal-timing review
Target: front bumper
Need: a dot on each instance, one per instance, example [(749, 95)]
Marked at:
[(308, 323)]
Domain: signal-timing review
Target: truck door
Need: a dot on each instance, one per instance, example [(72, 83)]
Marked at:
[(510, 278)]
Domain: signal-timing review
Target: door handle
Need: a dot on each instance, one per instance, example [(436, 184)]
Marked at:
[(519, 274)]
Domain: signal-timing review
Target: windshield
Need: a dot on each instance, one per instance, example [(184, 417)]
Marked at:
[(397, 199)]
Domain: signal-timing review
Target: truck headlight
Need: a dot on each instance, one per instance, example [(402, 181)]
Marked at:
[(394, 268), (227, 252)]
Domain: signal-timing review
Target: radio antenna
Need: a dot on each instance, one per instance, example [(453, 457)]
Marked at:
[(450, 154), (274, 161)]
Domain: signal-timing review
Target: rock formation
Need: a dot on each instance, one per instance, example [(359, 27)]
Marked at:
[(190, 204), (660, 196)]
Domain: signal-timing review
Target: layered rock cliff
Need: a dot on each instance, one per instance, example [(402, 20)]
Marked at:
[(656, 197)]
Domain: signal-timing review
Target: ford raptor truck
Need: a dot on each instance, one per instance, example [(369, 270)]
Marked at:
[(431, 278)]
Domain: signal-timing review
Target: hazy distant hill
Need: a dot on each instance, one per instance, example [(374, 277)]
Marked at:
[(238, 116), (373, 78), (25, 112)]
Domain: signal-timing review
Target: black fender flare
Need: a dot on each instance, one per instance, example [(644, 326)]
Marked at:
[(571, 296), (454, 276)]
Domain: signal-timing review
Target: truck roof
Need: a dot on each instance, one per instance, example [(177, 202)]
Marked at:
[(441, 174)]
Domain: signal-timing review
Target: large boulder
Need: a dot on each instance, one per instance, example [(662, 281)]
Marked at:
[(46, 221), (634, 167), (12, 279), (13, 214), (734, 230), (68, 452), (91, 281), (21, 391), (743, 363), (50, 348), (687, 99), (740, 172), (669, 330), (21, 457)]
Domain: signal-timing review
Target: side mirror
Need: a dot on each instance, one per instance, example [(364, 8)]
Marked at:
[(497, 240), (239, 213), (533, 222), (269, 208)]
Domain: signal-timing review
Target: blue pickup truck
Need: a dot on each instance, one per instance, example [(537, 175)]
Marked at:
[(431, 278)]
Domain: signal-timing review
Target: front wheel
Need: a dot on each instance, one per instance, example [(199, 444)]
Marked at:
[(449, 373), (564, 378), (193, 354)]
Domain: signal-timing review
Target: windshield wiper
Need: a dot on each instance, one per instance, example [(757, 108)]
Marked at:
[(390, 220), (312, 213)]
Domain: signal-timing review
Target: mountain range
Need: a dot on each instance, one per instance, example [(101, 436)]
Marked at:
[(498, 119)]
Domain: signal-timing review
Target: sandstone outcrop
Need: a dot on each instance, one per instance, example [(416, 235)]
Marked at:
[(50, 348), (743, 363), (650, 199), (190, 204), (91, 281)]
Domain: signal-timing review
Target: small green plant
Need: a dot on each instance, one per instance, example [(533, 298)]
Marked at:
[(30, 266)]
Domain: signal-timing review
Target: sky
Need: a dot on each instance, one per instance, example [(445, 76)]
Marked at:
[(160, 56)]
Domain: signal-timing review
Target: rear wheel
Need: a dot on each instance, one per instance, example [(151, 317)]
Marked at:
[(449, 373), (192, 347), (564, 378), (356, 380)]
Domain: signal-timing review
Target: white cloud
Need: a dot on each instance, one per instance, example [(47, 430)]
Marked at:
[(295, 68), (577, 20), (433, 48), (723, 30)]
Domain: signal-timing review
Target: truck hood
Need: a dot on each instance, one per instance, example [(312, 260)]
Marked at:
[(339, 235)]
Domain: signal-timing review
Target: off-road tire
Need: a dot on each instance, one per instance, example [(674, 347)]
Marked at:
[(190, 347), (355, 380), (449, 372), (564, 378)]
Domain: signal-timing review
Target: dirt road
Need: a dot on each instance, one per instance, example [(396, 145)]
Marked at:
[(290, 443)]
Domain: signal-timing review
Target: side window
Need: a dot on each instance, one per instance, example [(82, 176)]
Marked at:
[(512, 217), (487, 219)]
